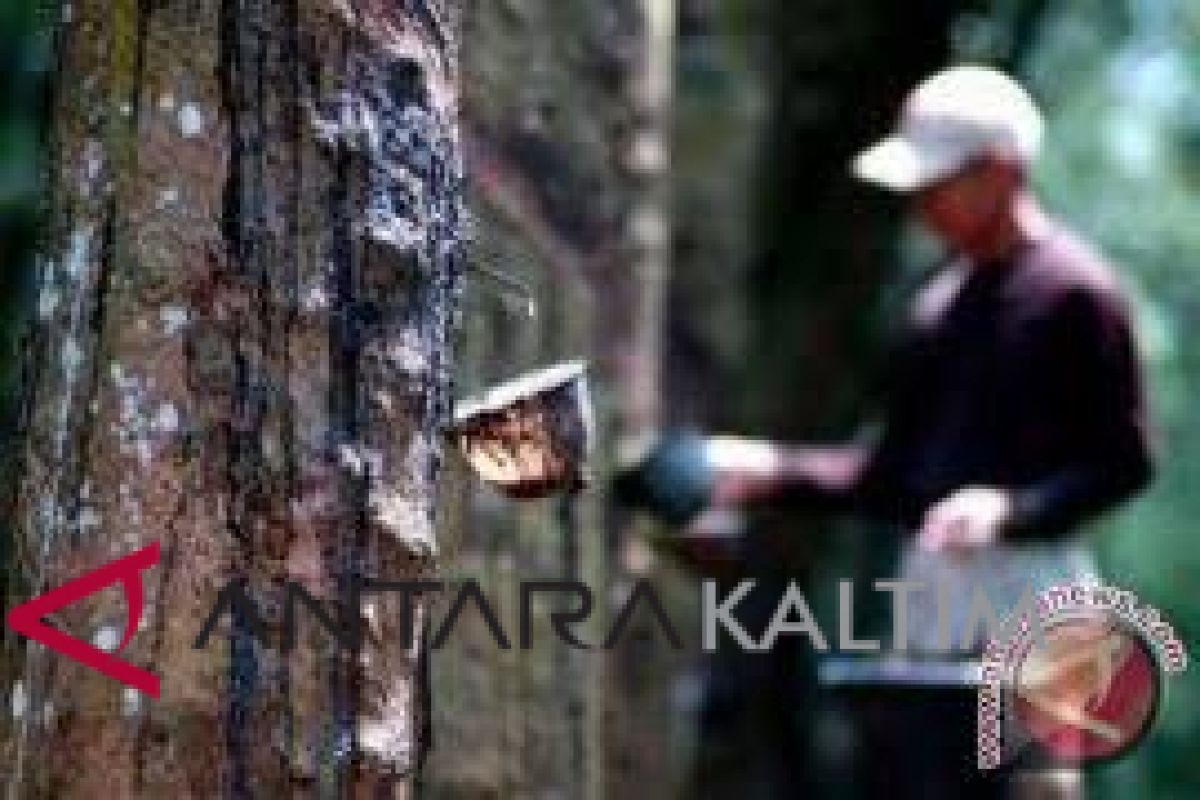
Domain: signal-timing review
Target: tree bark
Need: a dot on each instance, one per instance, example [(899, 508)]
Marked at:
[(569, 142), (242, 351)]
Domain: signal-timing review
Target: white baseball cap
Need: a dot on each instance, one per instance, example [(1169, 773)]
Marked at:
[(950, 119)]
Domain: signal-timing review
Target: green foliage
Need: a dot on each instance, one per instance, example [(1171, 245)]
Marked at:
[(23, 59), (1121, 82)]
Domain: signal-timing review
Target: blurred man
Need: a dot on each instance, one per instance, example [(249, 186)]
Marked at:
[(1014, 406)]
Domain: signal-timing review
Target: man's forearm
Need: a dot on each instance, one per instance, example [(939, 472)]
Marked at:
[(750, 471), (1053, 507)]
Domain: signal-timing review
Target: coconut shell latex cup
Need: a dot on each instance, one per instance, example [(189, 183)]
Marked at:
[(529, 437)]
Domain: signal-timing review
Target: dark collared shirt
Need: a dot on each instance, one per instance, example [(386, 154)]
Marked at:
[(1020, 374)]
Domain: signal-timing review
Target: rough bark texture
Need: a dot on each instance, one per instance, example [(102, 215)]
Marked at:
[(242, 351)]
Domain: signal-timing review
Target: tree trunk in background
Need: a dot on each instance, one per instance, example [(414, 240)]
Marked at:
[(569, 105), (640, 724), (247, 295), (795, 261)]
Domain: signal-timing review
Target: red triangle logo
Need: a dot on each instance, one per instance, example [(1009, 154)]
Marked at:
[(27, 618)]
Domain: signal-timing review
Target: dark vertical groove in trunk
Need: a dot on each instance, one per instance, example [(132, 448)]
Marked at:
[(424, 726), (242, 667), (343, 429), (230, 68), (145, 9), (293, 203), (243, 678)]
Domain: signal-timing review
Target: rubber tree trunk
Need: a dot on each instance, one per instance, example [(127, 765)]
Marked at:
[(241, 351)]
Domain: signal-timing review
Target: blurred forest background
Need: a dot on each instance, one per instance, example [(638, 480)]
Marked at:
[(705, 143)]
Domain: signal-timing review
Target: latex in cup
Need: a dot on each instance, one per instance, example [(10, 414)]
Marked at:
[(530, 437)]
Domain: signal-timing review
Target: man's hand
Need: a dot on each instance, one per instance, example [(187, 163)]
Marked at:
[(968, 519), (732, 488)]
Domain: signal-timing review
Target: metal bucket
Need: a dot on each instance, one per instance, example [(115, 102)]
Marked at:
[(530, 437)]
